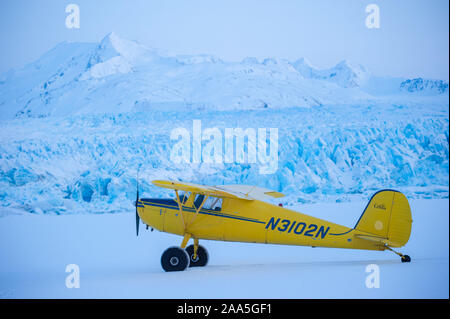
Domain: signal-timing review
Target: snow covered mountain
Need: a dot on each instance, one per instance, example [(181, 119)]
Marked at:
[(344, 74), (118, 75), (76, 124)]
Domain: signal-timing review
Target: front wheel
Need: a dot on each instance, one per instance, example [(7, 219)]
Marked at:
[(202, 256), (174, 259)]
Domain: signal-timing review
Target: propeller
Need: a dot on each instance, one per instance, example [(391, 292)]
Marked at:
[(136, 203)]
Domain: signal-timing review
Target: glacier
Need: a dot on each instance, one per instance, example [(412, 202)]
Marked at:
[(78, 123)]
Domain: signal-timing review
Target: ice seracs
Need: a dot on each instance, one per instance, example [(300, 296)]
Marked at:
[(420, 85)]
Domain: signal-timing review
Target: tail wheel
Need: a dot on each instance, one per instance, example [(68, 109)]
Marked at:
[(202, 256), (406, 259), (175, 259)]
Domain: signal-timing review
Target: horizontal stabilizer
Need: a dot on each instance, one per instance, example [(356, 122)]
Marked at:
[(274, 194), (373, 238)]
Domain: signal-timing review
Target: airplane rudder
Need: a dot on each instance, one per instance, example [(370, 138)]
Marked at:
[(401, 221)]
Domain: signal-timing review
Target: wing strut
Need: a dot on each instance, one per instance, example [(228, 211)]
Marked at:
[(198, 210), (180, 208)]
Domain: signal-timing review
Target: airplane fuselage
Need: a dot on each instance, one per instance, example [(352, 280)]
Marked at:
[(250, 221)]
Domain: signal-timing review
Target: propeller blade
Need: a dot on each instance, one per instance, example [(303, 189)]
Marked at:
[(136, 203), (137, 223)]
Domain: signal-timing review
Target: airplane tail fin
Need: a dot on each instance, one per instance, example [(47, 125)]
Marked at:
[(388, 216)]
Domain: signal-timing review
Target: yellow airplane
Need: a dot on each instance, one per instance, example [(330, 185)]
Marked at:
[(239, 213)]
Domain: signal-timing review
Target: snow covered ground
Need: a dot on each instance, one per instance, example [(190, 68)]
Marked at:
[(35, 250)]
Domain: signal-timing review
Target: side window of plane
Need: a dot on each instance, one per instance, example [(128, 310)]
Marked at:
[(198, 200), (214, 203), (218, 204), (184, 197)]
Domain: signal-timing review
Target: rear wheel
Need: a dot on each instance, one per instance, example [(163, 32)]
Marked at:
[(202, 256), (406, 259), (174, 259)]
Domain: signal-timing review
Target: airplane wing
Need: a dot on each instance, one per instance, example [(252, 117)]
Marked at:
[(228, 191), (200, 189)]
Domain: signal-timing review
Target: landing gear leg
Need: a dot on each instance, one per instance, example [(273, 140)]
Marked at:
[(185, 240), (404, 258), (195, 248)]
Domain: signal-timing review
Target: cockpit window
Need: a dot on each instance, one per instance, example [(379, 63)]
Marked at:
[(198, 200), (214, 203), (184, 196)]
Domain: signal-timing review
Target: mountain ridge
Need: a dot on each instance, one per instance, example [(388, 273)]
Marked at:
[(118, 75)]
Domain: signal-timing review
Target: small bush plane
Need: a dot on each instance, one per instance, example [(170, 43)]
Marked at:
[(240, 213)]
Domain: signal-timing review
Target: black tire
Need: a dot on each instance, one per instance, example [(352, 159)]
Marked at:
[(202, 256), (174, 259), (406, 259)]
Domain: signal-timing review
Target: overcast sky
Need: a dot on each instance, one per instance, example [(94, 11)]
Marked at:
[(412, 39)]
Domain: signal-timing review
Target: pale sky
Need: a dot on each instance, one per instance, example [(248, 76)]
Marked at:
[(412, 39)]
